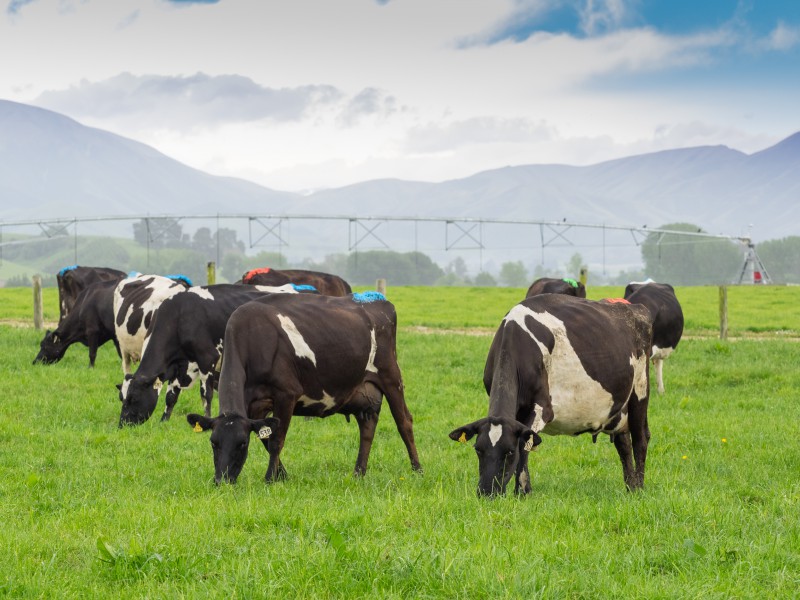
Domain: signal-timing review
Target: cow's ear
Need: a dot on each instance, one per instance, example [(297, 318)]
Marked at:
[(264, 428), (119, 387), (462, 434), (528, 440), (199, 422)]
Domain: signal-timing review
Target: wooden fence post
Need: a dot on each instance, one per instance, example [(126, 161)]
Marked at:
[(723, 312), (38, 311), (211, 273), (380, 286)]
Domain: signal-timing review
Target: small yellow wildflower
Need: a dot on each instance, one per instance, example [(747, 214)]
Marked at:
[(724, 440), (684, 457)]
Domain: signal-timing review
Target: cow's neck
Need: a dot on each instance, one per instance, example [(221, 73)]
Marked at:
[(503, 398)]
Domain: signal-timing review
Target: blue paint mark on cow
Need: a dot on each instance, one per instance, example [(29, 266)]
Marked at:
[(368, 297), (572, 282), (183, 278), (304, 288), (65, 269)]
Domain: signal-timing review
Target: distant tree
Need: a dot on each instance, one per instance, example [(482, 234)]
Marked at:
[(513, 274), (161, 232), (781, 259), (484, 279), (574, 265), (409, 268), (690, 260), (203, 242)]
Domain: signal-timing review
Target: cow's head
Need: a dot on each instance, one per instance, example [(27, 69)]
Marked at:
[(499, 443), (139, 396), (230, 438), (51, 349)]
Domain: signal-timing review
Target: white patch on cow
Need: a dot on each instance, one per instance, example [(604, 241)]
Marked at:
[(639, 364), (132, 346), (538, 421), (202, 292), (126, 383), (524, 479), (301, 349), (495, 433), (287, 288), (661, 353), (579, 402), (373, 349), (327, 400)]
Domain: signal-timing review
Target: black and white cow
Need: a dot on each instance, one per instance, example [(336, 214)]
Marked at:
[(305, 355), (548, 285), (563, 365), (136, 300), (73, 280), (667, 315), (325, 283), (90, 322), (184, 344)]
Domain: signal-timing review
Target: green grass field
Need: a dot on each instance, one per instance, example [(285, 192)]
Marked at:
[(90, 511)]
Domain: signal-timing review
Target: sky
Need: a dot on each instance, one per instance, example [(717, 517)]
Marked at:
[(300, 95)]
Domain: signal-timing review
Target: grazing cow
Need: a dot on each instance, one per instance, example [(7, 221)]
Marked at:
[(90, 322), (548, 285), (563, 365), (667, 315), (305, 355), (324, 283), (136, 299), (183, 344), (73, 280)]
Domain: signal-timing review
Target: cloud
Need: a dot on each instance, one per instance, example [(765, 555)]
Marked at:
[(14, 6), (433, 138), (601, 16), (367, 103), (184, 102), (782, 38)]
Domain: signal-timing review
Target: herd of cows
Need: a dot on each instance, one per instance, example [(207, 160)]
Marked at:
[(280, 343)]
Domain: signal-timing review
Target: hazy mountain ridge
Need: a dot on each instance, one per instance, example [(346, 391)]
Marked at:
[(51, 166)]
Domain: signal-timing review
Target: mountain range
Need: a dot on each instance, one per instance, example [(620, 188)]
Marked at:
[(52, 166)]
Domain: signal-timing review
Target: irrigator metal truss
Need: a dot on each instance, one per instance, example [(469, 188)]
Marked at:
[(510, 239)]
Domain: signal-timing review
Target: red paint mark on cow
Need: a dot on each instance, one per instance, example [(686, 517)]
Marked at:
[(252, 273)]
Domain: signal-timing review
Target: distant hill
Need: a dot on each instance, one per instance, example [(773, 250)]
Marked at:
[(52, 166)]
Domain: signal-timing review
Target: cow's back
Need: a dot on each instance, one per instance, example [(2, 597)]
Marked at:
[(549, 285), (73, 280), (325, 283), (665, 309)]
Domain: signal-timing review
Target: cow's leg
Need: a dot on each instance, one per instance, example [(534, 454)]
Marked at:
[(116, 345), (622, 442), (206, 392), (640, 438), (391, 384), (283, 408), (523, 479), (170, 399), (92, 343), (367, 422), (658, 363)]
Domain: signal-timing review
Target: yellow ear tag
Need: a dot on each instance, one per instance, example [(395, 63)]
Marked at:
[(197, 428), (463, 438)]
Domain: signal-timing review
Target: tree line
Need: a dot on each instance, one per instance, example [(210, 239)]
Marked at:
[(161, 246)]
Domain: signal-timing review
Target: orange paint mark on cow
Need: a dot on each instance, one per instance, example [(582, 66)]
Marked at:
[(253, 272), (616, 300)]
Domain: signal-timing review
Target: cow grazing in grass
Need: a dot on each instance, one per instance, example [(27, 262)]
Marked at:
[(90, 322), (305, 355), (136, 300), (548, 285), (325, 283), (184, 344), (667, 315), (73, 280), (563, 365)]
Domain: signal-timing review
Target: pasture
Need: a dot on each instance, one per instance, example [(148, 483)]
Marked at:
[(92, 511)]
